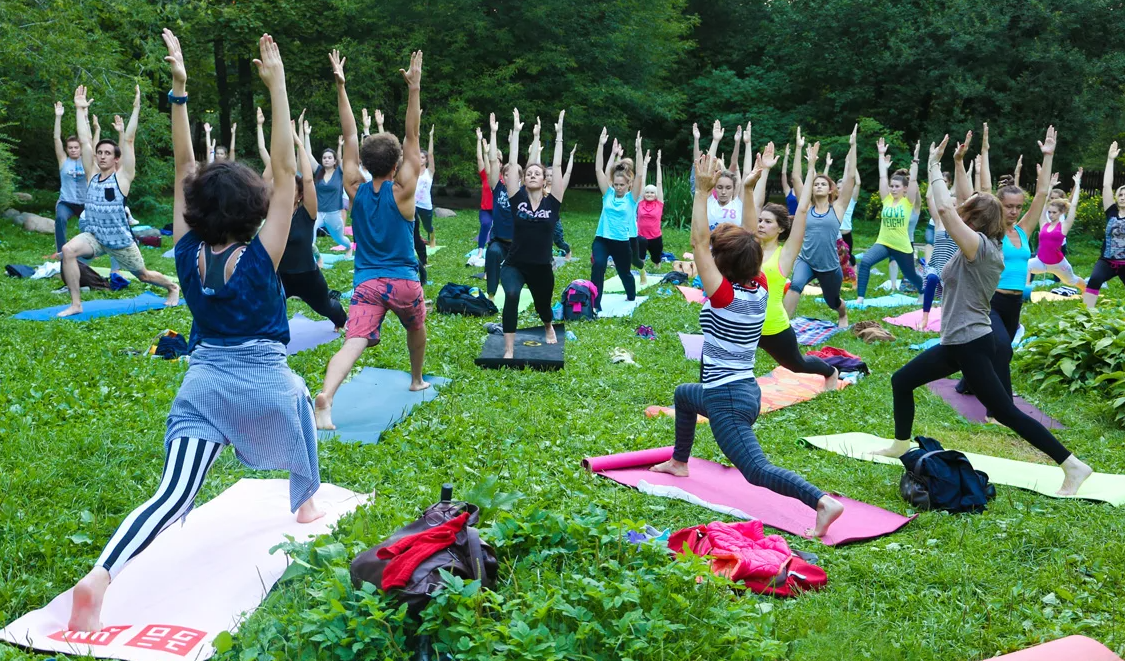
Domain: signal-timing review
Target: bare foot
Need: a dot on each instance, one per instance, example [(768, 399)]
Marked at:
[(322, 412), (550, 336), (509, 354), (1075, 472), (828, 509), (415, 386), (671, 467), (925, 321), (644, 278), (71, 311), (308, 512), (842, 320), (173, 298), (86, 609), (897, 449), (831, 383)]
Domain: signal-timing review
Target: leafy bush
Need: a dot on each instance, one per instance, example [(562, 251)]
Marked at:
[(677, 197), (1079, 349), (7, 160), (570, 587), (1091, 217)]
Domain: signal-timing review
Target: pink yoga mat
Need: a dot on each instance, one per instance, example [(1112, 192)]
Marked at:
[(693, 295), (1071, 648), (348, 230), (339, 248), (971, 409), (693, 346), (912, 319), (304, 333), (725, 490)]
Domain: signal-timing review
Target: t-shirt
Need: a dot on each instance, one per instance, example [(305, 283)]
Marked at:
[(618, 221), (298, 256), (1014, 275), (485, 192), (534, 229), (718, 213), (894, 232), (329, 191), (732, 320), (71, 178), (777, 319), (384, 238), (501, 213), (1113, 245), (422, 193), (969, 285), (819, 247), (649, 215)]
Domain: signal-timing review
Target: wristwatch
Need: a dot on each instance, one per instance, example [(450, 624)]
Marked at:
[(178, 100)]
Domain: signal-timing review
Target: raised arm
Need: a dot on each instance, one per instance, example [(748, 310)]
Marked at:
[(749, 201), (638, 182), (379, 121), (263, 153), (599, 162), (964, 236), (1016, 172), (510, 183), (827, 164), (848, 182), (976, 173), (127, 169), (430, 150), (275, 230), (695, 144), (569, 165), (558, 188), (962, 183), (306, 132), (767, 160), (796, 180), (1072, 212), (931, 206), (233, 134), (716, 137), (985, 169), (659, 179), (183, 154), (366, 119), (1107, 176), (480, 150), (706, 174), (308, 183), (884, 165), (793, 244), (349, 159), (493, 155), (785, 172), (81, 110), (734, 165), (912, 188), (97, 129), (1043, 185), (535, 149), (60, 150), (208, 143)]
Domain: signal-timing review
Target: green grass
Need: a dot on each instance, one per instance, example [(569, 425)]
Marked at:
[(82, 425)]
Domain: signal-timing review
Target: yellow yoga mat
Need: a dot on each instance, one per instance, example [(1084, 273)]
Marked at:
[(525, 299), (614, 286), (1039, 478), (1039, 296)]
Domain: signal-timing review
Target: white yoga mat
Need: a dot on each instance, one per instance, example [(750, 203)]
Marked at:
[(193, 582)]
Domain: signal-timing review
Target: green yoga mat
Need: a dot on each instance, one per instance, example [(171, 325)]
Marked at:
[(1039, 478), (432, 249), (614, 286), (525, 299)]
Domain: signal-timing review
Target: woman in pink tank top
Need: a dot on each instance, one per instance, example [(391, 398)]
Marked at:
[(1052, 235)]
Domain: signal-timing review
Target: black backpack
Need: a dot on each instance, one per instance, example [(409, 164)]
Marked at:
[(675, 278), (578, 300), (457, 299), (940, 479)]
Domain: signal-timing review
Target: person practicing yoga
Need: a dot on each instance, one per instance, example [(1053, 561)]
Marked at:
[(485, 214), (110, 170), (217, 152), (729, 262), (792, 193), (529, 259), (1049, 257), (501, 239), (298, 270), (386, 268), (725, 206), (559, 235), (943, 249), (238, 372), (329, 179), (772, 225), (1111, 261), (650, 213), (423, 201), (846, 221), (617, 226), (978, 227), (818, 258), (72, 177), (893, 242)]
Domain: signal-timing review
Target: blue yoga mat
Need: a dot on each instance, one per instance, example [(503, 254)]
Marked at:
[(892, 301), (331, 259), (374, 401), (106, 307)]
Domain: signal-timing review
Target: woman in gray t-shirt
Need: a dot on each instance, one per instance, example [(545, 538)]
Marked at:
[(970, 278)]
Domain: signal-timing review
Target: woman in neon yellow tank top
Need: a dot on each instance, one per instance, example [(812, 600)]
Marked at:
[(772, 225)]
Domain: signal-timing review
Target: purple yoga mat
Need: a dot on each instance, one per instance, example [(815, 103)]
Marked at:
[(693, 346), (725, 489), (304, 333), (971, 409)]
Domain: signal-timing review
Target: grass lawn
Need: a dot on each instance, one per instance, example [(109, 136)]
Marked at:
[(83, 422)]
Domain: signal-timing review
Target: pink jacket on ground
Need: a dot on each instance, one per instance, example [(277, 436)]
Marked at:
[(738, 550)]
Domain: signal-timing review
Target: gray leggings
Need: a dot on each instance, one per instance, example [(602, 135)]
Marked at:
[(732, 409)]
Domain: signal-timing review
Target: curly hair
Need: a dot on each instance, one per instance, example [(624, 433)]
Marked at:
[(737, 253), (781, 214), (225, 202), (380, 154)]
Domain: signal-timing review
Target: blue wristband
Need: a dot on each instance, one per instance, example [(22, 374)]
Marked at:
[(178, 100)]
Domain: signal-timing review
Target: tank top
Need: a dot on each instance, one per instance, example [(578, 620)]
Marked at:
[(718, 213), (819, 247), (894, 230), (1014, 276), (71, 177), (105, 213), (422, 193), (1050, 244), (649, 215), (384, 239), (776, 318), (329, 192)]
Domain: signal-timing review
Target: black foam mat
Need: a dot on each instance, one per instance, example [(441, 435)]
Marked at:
[(531, 350)]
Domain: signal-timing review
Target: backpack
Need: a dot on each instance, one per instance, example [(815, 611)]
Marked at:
[(675, 278), (940, 479), (467, 557), (578, 300), (458, 299)]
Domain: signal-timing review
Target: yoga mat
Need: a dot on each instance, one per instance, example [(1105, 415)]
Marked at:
[(337, 248), (1071, 648), (692, 294), (170, 253), (972, 410), (1040, 296), (892, 301), (348, 231), (812, 290), (331, 259), (616, 305), (614, 286), (932, 342), (723, 489), (693, 346), (106, 307), (813, 331), (374, 401), (525, 299), (1039, 478), (530, 350), (432, 249), (104, 271), (780, 388), (193, 582), (304, 333), (914, 317)]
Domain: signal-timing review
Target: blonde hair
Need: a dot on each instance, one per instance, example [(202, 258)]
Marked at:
[(1060, 203)]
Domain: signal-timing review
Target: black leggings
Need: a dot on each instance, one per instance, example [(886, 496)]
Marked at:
[(493, 258), (623, 256), (974, 360), (1103, 272), (1005, 318), (782, 347), (654, 248), (540, 280), (851, 248), (311, 288), (420, 253)]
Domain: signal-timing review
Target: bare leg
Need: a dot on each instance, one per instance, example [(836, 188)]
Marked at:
[(828, 509), (86, 609), (338, 369), (672, 467), (1075, 472), (842, 315), (644, 277), (509, 345), (161, 280), (832, 382), (70, 254), (416, 343)]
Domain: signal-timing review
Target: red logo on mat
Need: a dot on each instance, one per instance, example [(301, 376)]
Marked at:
[(103, 637), (167, 638)]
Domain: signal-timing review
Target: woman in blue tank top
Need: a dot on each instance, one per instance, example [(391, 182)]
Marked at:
[(72, 179)]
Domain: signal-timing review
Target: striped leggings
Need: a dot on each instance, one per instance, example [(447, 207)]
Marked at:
[(732, 409), (185, 466)]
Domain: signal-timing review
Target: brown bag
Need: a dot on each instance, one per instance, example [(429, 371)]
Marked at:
[(468, 557)]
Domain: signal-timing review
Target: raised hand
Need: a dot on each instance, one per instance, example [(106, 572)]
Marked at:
[(431, 132), (717, 131), (648, 157), (855, 130), (82, 103), (984, 138), (308, 128), (604, 137), (270, 68), (800, 141), (337, 66), (738, 133), (1078, 178), (517, 125), (480, 136), (787, 150), (492, 123), (658, 155), (811, 154), (1054, 179), (413, 76), (1047, 146), (233, 128), (706, 173), (207, 128), (937, 151), (881, 145), (118, 124), (746, 134), (917, 148), (379, 119), (137, 96), (963, 147), (261, 117), (175, 57), (339, 144), (828, 161), (302, 125), (1114, 151), (695, 131), (59, 111), (559, 124), (94, 121), (534, 130), (752, 177), (768, 158)]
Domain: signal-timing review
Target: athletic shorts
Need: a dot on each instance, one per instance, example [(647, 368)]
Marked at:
[(128, 257), (374, 298)]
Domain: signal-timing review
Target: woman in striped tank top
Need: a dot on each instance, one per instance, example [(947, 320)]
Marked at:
[(729, 261)]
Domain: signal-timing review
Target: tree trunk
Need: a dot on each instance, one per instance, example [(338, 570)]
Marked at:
[(223, 135), (247, 116)]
